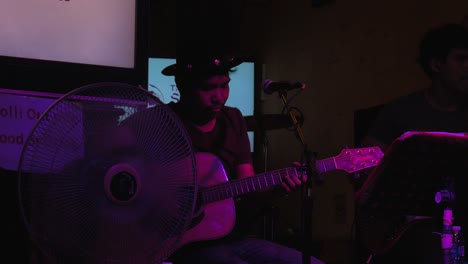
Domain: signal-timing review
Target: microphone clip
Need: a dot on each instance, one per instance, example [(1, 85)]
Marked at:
[(270, 86)]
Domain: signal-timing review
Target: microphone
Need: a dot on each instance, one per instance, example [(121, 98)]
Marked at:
[(270, 86)]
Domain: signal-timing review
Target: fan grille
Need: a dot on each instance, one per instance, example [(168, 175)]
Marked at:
[(90, 147)]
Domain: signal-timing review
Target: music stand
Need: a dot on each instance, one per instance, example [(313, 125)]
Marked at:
[(402, 187)]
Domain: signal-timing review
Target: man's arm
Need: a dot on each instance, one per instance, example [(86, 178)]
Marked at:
[(245, 170)]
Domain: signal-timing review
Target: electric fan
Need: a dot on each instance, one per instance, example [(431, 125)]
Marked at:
[(107, 175)]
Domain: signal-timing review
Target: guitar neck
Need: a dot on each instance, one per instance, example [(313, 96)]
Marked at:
[(258, 182)]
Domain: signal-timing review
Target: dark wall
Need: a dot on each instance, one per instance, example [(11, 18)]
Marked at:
[(162, 28), (212, 24), (197, 25)]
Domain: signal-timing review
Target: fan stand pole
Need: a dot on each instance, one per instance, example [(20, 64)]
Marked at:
[(306, 191)]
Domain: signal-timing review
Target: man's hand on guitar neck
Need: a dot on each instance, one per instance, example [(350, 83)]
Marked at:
[(290, 182)]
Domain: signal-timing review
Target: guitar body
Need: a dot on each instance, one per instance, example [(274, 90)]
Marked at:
[(215, 214), (216, 219)]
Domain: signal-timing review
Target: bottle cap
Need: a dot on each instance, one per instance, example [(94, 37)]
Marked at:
[(447, 217)]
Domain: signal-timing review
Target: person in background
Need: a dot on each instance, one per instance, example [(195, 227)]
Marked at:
[(442, 106), (203, 82)]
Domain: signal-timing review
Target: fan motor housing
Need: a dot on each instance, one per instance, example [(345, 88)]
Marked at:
[(122, 183)]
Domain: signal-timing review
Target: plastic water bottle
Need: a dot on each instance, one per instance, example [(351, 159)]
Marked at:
[(457, 252), (447, 236)]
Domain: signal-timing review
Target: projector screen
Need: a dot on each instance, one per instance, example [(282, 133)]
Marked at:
[(78, 31), (242, 86), (60, 45)]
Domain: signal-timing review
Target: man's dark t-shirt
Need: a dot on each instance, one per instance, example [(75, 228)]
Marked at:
[(414, 113), (228, 141)]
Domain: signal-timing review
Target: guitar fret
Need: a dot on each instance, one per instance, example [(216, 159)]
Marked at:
[(207, 197), (204, 196), (325, 165)]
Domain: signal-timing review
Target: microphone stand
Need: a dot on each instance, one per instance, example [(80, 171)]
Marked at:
[(312, 174)]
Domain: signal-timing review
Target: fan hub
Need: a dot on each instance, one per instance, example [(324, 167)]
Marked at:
[(121, 183), (123, 186)]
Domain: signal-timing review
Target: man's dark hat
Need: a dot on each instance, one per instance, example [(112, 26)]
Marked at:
[(202, 65)]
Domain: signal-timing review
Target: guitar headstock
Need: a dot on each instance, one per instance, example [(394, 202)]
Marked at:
[(352, 160)]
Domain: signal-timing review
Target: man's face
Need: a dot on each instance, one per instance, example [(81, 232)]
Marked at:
[(213, 93), (454, 71)]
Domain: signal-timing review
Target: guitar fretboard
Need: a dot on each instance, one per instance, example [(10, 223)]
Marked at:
[(258, 182)]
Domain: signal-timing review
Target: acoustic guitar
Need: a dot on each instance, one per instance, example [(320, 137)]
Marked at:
[(215, 215)]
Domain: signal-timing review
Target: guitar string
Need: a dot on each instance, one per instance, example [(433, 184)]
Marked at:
[(212, 193), (325, 163)]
